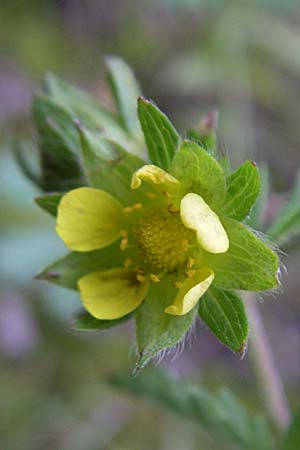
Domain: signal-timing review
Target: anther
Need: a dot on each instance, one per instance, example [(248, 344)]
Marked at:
[(137, 206), (139, 269), (141, 278), (127, 263), (167, 194), (185, 244), (150, 195), (124, 234), (124, 244), (128, 209), (154, 278), (172, 209), (190, 273), (190, 263), (178, 284)]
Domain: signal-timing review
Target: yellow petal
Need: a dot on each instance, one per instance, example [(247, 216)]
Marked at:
[(111, 294), (89, 219), (155, 176), (191, 291), (197, 215)]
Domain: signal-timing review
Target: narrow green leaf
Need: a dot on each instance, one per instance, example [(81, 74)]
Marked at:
[(88, 111), (199, 172), (155, 329), (287, 223), (126, 91), (249, 264), (243, 187), (66, 271), (221, 413), (257, 215), (161, 137), (108, 166), (291, 439), (49, 202), (86, 322), (59, 146), (224, 314)]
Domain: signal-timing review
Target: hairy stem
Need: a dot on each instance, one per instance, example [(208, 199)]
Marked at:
[(268, 377)]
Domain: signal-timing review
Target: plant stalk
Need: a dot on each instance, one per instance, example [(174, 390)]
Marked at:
[(267, 374)]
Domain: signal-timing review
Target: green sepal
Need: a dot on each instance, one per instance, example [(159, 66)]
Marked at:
[(243, 187), (108, 166), (256, 218), (82, 107), (59, 146), (155, 329), (224, 314), (86, 322), (66, 271), (287, 222), (160, 135), (126, 91), (200, 173), (249, 264), (49, 202)]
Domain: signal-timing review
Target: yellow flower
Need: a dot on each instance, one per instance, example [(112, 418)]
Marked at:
[(165, 233)]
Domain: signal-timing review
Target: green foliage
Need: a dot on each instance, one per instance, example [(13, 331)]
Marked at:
[(125, 90), (256, 219), (49, 202), (199, 172), (243, 187), (291, 439), (161, 137), (287, 223), (224, 313), (156, 330), (86, 322), (66, 271), (221, 413), (108, 166), (249, 263)]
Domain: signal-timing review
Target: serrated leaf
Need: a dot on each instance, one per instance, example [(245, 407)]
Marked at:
[(249, 264), (200, 173), (86, 322), (155, 329), (243, 187), (49, 202), (59, 146), (221, 414), (291, 439), (108, 166), (257, 216), (66, 271), (224, 314), (287, 222), (91, 113), (126, 91), (161, 137)]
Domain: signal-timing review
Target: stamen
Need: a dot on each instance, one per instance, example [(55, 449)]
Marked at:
[(137, 206), (127, 263), (154, 278), (178, 284), (124, 244), (190, 263), (150, 195), (128, 209), (185, 244), (124, 234), (167, 194), (139, 269), (172, 209), (141, 278), (190, 273)]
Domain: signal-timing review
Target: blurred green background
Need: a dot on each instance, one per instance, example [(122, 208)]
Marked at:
[(190, 56)]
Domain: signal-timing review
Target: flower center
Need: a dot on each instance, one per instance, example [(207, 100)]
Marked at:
[(163, 240)]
